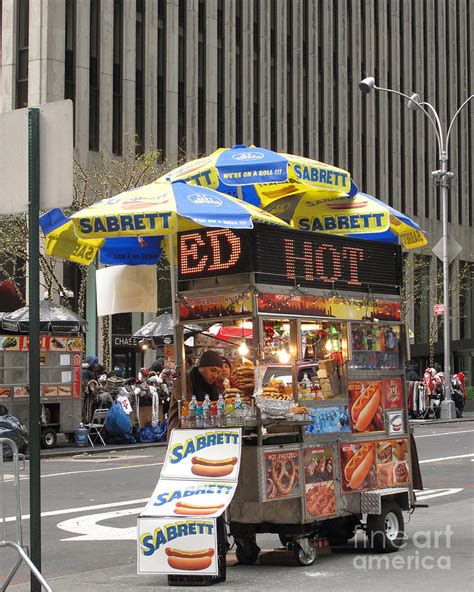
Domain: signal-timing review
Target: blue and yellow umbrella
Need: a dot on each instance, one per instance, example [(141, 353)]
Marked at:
[(361, 216), (259, 176), (128, 228)]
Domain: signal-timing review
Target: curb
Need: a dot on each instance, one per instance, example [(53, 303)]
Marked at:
[(431, 422), (97, 449)]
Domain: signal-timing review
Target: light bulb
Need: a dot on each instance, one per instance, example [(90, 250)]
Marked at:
[(329, 346), (243, 349), (284, 356)]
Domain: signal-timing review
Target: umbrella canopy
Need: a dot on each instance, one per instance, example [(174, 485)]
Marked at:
[(53, 319), (259, 175), (162, 326), (126, 224), (362, 216)]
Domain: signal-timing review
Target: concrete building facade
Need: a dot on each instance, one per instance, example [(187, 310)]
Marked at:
[(188, 76)]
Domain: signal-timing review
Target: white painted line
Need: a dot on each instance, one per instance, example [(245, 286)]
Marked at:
[(437, 493), (431, 460), (89, 529), (444, 434), (82, 509)]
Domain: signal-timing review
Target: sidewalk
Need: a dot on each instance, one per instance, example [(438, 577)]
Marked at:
[(67, 449), (468, 416)]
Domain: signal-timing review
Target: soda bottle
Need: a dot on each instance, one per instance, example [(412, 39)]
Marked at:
[(214, 420), (185, 415), (199, 416), (206, 409)]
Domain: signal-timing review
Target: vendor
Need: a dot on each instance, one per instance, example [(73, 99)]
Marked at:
[(200, 381)]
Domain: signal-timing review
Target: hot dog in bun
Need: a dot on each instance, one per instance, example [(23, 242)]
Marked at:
[(358, 467), (189, 560), (213, 468), (365, 407), (193, 509)]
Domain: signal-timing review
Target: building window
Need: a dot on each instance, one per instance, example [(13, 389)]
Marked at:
[(238, 72), (22, 54), (161, 94), (202, 77), (139, 78), (182, 78), (256, 72), (421, 297), (220, 73), (117, 78), (466, 300), (94, 43)]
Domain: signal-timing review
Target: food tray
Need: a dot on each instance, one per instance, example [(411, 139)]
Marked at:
[(274, 408)]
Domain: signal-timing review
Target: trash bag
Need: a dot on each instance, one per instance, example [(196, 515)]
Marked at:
[(11, 427), (146, 434), (118, 422), (160, 431)]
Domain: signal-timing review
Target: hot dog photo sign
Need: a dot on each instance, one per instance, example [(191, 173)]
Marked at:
[(203, 454), (185, 498), (184, 546), (366, 406)]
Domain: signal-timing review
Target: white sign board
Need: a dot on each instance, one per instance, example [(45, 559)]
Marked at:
[(203, 454), (177, 546), (126, 288), (56, 157)]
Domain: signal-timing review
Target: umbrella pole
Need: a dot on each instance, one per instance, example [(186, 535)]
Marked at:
[(174, 290)]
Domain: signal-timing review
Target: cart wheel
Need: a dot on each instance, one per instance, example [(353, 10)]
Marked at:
[(305, 555), (247, 551), (386, 531), (285, 541), (48, 438)]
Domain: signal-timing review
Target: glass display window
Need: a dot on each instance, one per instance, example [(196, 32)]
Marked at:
[(374, 347)]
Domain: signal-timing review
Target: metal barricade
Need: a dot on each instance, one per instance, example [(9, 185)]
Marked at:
[(17, 533)]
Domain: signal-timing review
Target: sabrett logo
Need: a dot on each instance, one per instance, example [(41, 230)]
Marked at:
[(125, 222), (180, 451), (315, 175), (342, 222), (201, 489), (152, 542)]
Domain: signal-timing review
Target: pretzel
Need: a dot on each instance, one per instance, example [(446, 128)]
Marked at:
[(284, 475)]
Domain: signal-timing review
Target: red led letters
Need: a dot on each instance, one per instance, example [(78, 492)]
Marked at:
[(203, 252)]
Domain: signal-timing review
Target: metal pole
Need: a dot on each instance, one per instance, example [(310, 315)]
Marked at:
[(447, 406), (174, 291), (34, 357)]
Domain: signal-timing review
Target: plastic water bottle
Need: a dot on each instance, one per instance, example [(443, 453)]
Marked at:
[(238, 410), (80, 436), (206, 409), (214, 421), (221, 411), (199, 416), (192, 411)]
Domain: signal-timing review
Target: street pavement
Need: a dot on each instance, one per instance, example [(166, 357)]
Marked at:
[(90, 504)]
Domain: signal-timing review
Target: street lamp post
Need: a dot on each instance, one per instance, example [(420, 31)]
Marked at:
[(443, 178)]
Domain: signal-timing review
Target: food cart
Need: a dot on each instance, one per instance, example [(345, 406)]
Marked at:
[(325, 439), (61, 394)]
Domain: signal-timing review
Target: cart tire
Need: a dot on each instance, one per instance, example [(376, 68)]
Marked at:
[(304, 558), (48, 438), (247, 553), (386, 531)]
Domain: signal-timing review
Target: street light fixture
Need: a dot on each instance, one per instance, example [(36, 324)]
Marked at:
[(442, 178)]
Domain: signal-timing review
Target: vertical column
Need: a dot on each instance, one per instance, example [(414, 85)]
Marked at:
[(229, 56), (265, 80), (327, 48), (46, 53), (399, 106), (211, 75), (313, 87), (297, 80), (463, 124), (129, 75), (408, 139), (281, 75), (82, 78), (106, 75), (192, 78), (247, 72), (369, 140), (172, 81), (420, 30), (454, 102), (8, 54), (342, 106), (382, 131), (151, 73), (358, 101)]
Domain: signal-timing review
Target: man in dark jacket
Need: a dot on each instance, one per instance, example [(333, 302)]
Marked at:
[(200, 381), (412, 374)]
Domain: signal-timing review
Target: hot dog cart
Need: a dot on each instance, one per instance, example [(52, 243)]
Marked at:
[(61, 394), (330, 305)]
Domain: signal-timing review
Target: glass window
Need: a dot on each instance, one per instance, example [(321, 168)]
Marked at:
[(139, 78), (22, 54), (94, 69), (374, 346)]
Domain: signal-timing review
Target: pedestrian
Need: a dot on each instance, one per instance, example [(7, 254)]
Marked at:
[(200, 381), (412, 373), (89, 369)]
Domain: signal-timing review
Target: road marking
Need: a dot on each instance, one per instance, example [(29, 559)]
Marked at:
[(82, 509), (431, 460), (444, 434), (89, 529), (431, 493)]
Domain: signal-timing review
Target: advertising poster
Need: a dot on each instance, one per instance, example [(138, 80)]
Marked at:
[(392, 463), (203, 454), (76, 376), (213, 307), (58, 344), (366, 406), (191, 498), (320, 491), (358, 467), (282, 474), (395, 422), (74, 344), (327, 420), (392, 393), (5, 392), (20, 391), (186, 546), (8, 343), (50, 391)]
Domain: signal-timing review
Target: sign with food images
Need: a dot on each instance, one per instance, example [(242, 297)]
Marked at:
[(366, 406), (320, 493), (203, 454), (358, 468), (395, 422), (186, 546), (281, 470), (189, 498), (392, 463), (392, 393)]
